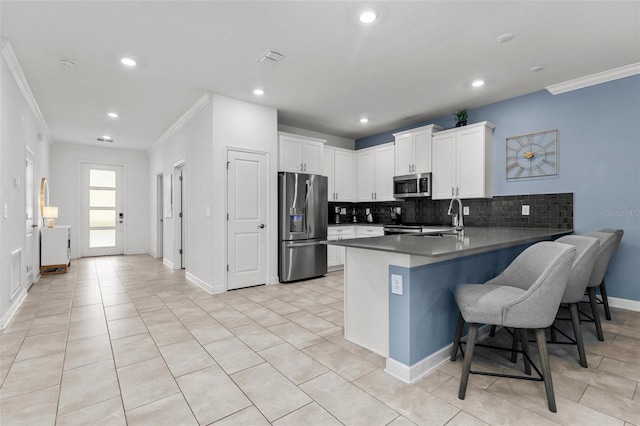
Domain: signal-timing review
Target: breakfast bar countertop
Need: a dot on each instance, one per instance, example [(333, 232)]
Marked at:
[(472, 240)]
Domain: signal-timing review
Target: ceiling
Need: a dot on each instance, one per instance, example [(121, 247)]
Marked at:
[(414, 63)]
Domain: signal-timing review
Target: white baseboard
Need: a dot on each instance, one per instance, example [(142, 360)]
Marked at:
[(412, 374), (18, 299), (211, 289), (630, 305), (135, 252), (167, 262), (274, 280)]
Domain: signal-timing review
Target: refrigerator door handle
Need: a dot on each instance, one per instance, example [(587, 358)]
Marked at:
[(306, 207), (293, 244)]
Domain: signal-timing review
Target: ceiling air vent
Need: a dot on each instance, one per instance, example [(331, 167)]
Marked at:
[(271, 57)]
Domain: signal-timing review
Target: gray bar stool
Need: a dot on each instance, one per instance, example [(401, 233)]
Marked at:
[(603, 288), (586, 254), (607, 245), (525, 296)]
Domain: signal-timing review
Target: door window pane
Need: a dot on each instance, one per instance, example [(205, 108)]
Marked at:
[(102, 238), (102, 178), (102, 218), (102, 198)]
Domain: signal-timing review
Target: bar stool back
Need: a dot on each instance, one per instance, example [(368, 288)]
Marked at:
[(586, 255), (603, 288), (607, 245)]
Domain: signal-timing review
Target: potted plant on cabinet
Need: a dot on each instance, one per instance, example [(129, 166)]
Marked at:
[(461, 118)]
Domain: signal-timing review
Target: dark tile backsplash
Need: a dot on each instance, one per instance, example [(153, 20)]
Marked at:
[(545, 211)]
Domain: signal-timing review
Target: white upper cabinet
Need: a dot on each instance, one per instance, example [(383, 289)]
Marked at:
[(413, 150), (339, 167), (462, 162), (300, 154), (375, 173)]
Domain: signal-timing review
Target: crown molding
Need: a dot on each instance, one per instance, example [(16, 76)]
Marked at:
[(186, 117), (593, 79), (9, 55)]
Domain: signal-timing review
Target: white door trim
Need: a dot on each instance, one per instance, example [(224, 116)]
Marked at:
[(159, 215), (268, 219), (179, 224)]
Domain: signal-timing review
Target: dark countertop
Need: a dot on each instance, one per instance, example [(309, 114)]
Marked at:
[(474, 240)]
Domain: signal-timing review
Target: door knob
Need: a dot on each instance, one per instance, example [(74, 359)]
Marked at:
[(261, 226)]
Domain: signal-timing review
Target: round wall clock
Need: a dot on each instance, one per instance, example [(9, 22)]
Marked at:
[(532, 155)]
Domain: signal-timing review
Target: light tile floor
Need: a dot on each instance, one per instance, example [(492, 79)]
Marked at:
[(125, 340)]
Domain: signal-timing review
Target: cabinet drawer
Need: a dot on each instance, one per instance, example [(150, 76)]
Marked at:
[(340, 231), (370, 231)]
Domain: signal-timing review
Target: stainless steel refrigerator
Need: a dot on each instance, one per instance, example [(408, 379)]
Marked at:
[(302, 226)]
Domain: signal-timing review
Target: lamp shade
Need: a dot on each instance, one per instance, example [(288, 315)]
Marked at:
[(50, 212)]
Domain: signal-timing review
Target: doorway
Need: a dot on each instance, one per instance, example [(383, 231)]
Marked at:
[(102, 210), (159, 215), (30, 215), (180, 215), (247, 218)]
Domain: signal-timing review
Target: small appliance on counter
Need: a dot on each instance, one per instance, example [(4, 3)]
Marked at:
[(355, 218), (369, 215)]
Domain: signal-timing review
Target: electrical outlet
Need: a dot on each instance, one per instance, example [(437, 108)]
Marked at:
[(396, 284), (465, 210), (343, 210), (525, 210)]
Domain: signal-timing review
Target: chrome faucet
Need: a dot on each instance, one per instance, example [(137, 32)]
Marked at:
[(458, 223)]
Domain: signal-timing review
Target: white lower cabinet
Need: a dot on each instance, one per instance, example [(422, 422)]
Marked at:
[(55, 249), (335, 254)]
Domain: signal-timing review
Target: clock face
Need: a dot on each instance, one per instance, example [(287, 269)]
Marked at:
[(532, 155)]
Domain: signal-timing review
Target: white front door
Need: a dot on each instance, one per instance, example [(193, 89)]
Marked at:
[(247, 210), (102, 210), (31, 223)]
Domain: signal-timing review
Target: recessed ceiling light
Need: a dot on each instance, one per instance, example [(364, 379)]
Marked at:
[(368, 16), (258, 92), (112, 114), (105, 138), (505, 38), (537, 68), (128, 62), (364, 120), (477, 83)]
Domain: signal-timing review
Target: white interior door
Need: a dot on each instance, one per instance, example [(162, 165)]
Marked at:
[(160, 216), (31, 222), (102, 210), (246, 227)]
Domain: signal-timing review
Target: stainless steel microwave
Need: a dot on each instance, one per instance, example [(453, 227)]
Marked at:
[(406, 186)]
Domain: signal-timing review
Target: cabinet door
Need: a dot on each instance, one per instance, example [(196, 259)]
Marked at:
[(344, 169), (332, 253), (328, 168), (290, 154), (470, 163), (384, 173), (422, 143), (365, 175), (444, 154), (404, 152), (312, 156)]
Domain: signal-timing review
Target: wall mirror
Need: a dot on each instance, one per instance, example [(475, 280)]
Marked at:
[(44, 195)]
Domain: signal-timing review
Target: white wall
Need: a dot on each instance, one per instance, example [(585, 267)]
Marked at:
[(240, 124), (18, 129), (65, 188), (332, 140), (201, 143)]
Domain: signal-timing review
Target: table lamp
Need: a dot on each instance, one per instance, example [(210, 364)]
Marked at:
[(51, 214)]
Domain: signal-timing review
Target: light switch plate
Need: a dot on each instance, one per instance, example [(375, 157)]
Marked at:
[(207, 211), (525, 210), (396, 284), (343, 210), (6, 212)]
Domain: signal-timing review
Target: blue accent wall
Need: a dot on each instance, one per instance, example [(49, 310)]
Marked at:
[(423, 319), (598, 160)]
